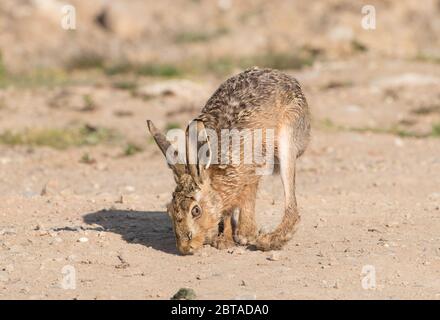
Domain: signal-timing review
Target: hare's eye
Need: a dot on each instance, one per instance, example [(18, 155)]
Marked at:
[(196, 211)]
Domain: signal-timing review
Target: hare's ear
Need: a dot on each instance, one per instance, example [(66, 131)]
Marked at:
[(198, 151), (167, 149)]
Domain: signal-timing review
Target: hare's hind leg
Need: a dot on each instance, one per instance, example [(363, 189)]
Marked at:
[(245, 229), (287, 154)]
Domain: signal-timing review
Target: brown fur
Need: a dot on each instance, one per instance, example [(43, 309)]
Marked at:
[(253, 99)]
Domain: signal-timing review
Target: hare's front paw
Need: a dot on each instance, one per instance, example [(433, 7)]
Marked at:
[(222, 242)]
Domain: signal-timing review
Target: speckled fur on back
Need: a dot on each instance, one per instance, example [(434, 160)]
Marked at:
[(254, 99)]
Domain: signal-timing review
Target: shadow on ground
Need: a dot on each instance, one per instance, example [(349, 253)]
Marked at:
[(149, 228)]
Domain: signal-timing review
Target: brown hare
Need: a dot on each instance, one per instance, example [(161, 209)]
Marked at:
[(214, 201)]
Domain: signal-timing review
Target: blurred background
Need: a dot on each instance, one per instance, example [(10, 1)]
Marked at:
[(195, 35), (146, 48), (79, 78)]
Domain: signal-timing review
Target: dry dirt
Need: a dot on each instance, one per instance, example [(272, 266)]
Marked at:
[(369, 194)]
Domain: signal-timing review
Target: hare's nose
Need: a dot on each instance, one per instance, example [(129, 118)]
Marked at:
[(190, 235), (186, 249)]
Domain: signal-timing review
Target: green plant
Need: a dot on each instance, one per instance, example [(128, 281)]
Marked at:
[(436, 130), (86, 61), (172, 125), (199, 35), (89, 104), (131, 149), (125, 85), (87, 159), (159, 70), (59, 138)]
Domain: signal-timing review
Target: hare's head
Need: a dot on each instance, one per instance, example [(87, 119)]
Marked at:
[(195, 208)]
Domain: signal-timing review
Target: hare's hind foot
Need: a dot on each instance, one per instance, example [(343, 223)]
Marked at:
[(277, 239), (244, 230), (268, 242)]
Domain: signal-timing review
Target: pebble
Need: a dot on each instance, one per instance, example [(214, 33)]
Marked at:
[(274, 256), (237, 250), (130, 188), (83, 239), (39, 226), (399, 142), (201, 277), (184, 294), (7, 231)]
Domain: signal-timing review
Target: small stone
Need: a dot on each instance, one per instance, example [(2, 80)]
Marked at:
[(274, 256), (392, 224), (201, 277), (184, 294), (7, 231), (398, 142), (239, 250), (83, 239), (130, 188)]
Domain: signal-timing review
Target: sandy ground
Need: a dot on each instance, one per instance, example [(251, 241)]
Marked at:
[(369, 200)]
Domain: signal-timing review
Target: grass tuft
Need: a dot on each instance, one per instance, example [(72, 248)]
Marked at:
[(199, 36), (436, 130), (131, 149), (172, 125), (59, 138), (86, 61)]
